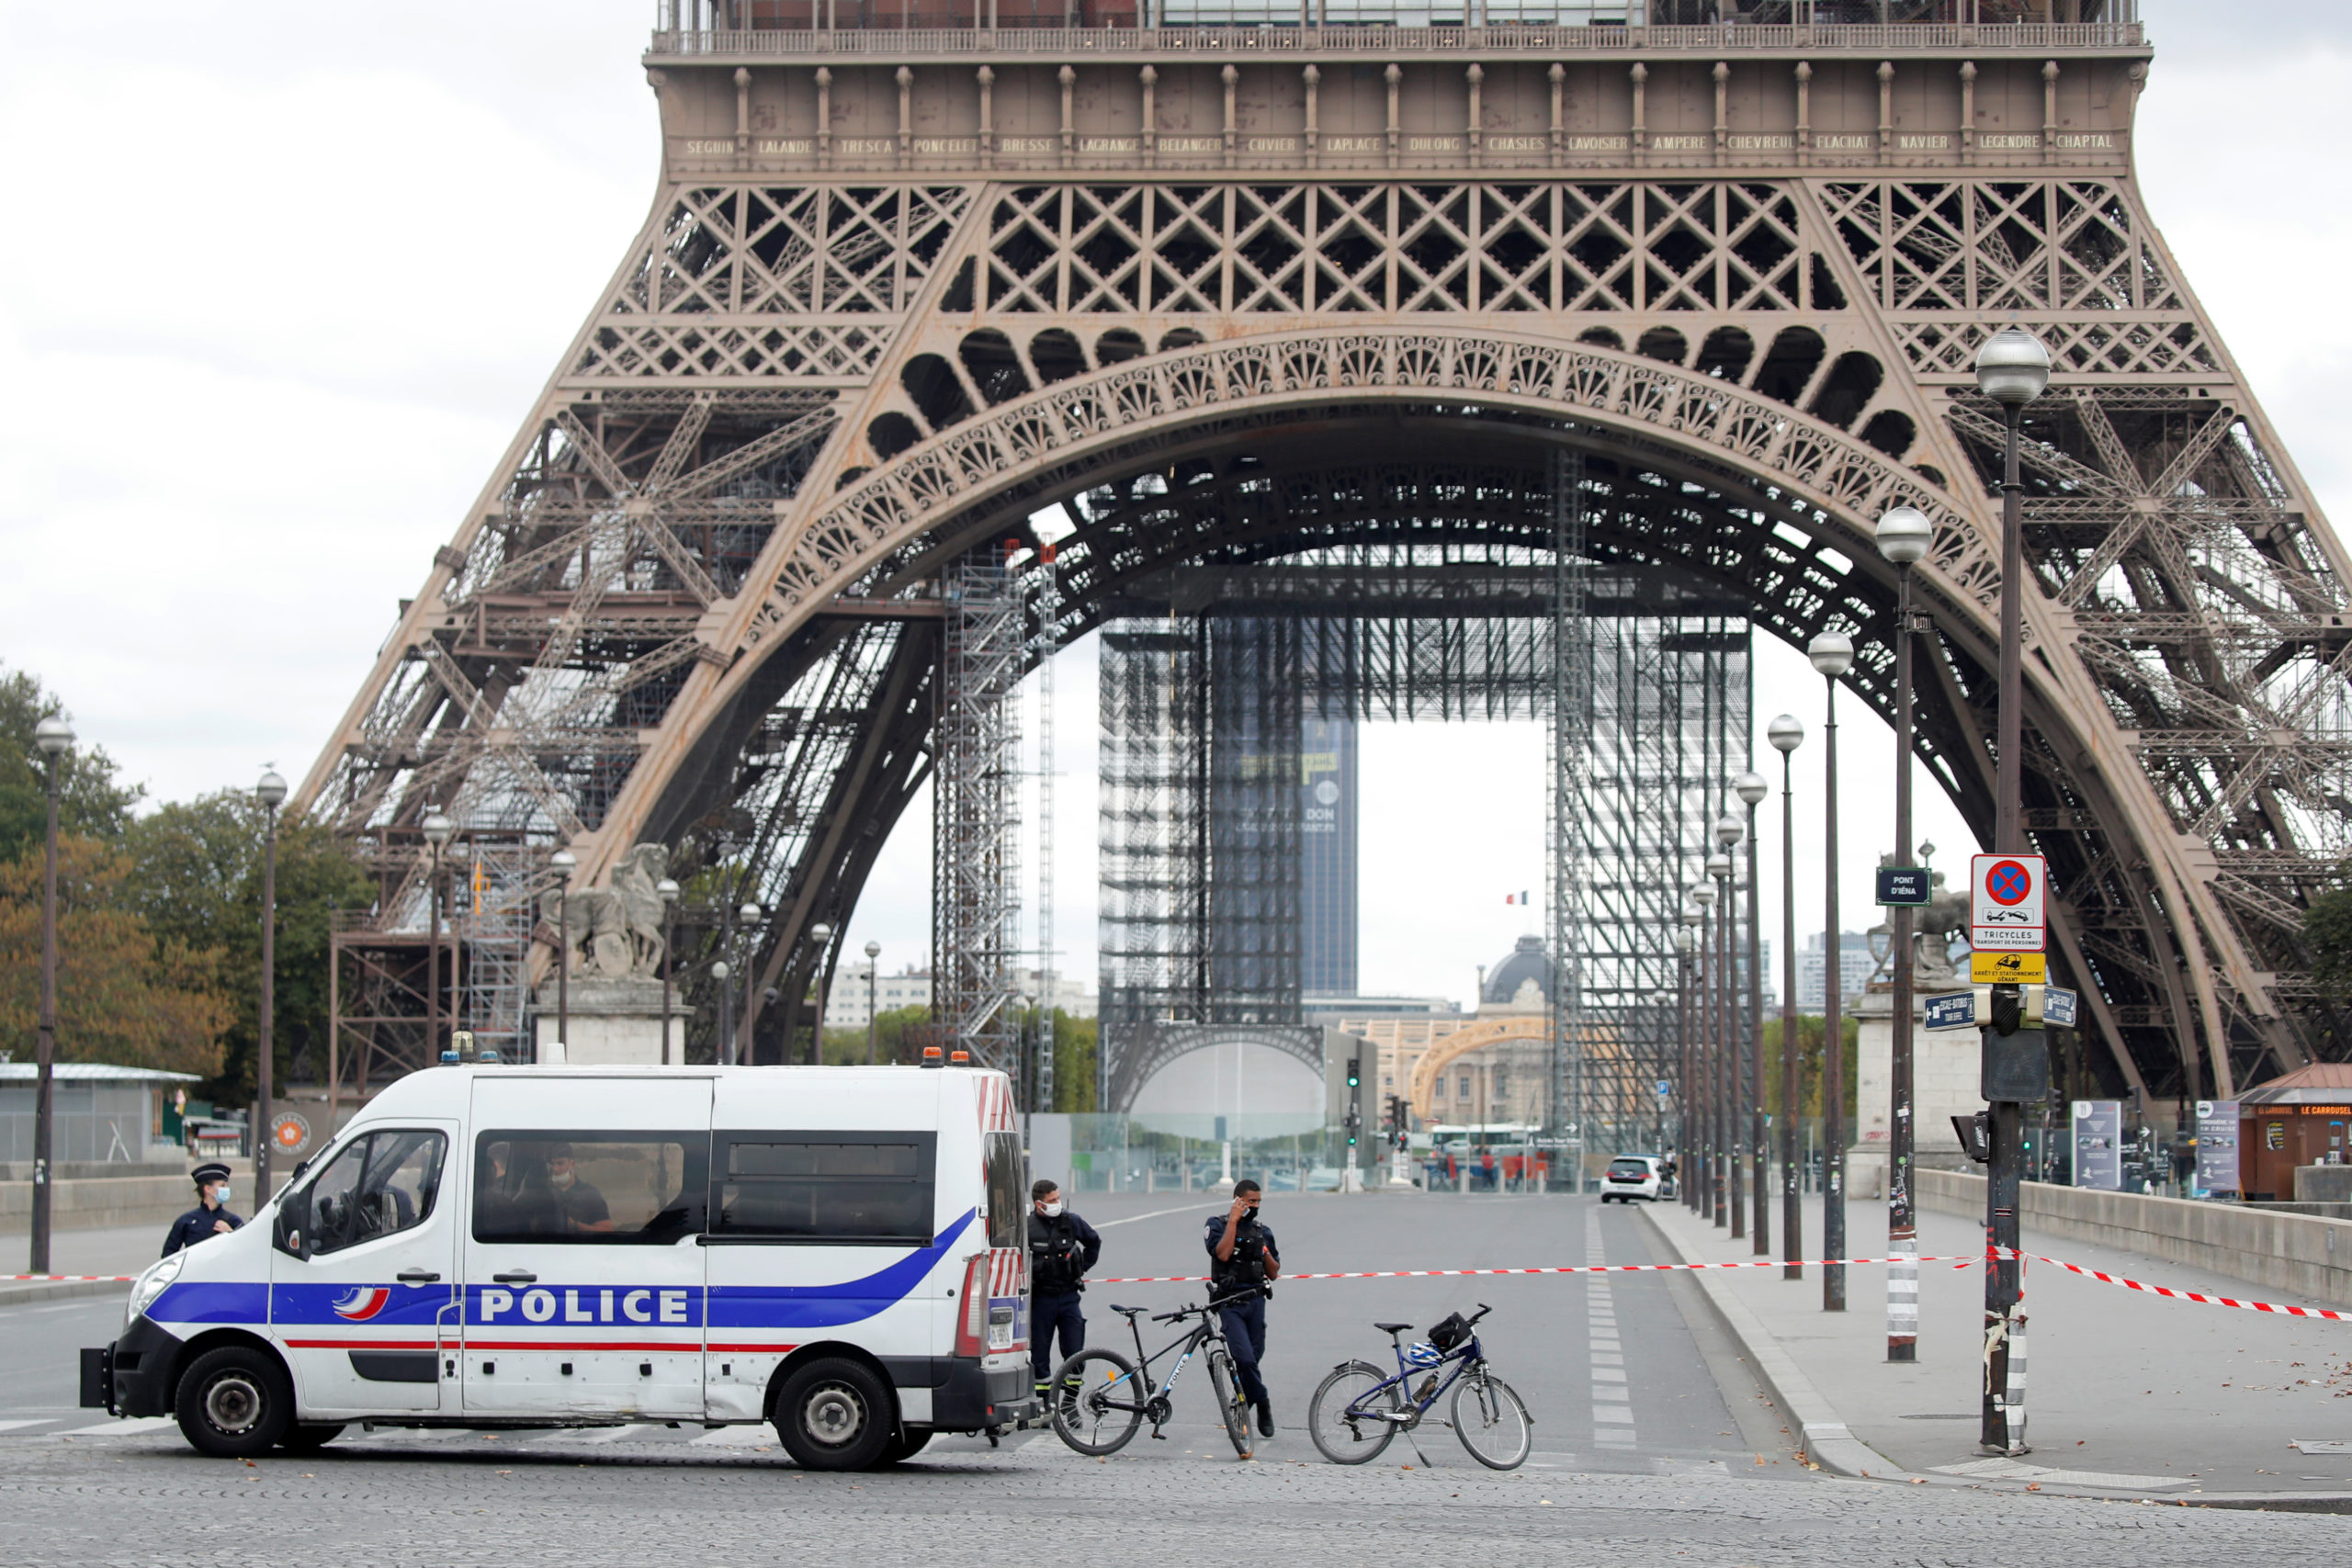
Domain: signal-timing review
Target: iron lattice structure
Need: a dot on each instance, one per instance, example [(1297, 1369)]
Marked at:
[(976, 815), (900, 289)]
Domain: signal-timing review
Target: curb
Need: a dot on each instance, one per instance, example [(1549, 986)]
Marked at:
[(19, 1295), (1826, 1440)]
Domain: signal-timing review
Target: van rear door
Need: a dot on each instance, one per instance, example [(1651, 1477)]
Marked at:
[(582, 1273)]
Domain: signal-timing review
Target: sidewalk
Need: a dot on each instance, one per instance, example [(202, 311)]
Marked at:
[(2127, 1392), (121, 1250)]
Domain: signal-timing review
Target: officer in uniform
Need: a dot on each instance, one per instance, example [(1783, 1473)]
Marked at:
[(1243, 1258), (1062, 1248), (210, 1216)]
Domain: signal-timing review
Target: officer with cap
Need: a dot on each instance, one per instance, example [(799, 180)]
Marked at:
[(1062, 1248), (210, 1217), (1243, 1265)]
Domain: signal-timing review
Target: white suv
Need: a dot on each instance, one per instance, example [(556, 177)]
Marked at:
[(1632, 1175)]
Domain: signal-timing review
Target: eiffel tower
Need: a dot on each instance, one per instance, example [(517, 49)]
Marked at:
[(1227, 281)]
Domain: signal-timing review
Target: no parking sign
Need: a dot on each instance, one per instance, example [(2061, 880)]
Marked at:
[(2006, 909)]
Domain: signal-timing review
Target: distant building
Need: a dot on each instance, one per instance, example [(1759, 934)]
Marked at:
[(845, 1006), (1854, 964)]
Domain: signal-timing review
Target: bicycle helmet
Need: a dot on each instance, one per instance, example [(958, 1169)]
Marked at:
[(1421, 1353)]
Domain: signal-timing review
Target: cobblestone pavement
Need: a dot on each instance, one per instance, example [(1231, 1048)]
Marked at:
[(1701, 1473)]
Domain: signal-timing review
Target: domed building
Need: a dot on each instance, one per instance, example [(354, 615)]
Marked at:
[(1520, 982), (1493, 1085)]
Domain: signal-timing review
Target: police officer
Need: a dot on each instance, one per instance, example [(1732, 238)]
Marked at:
[(1243, 1261), (1062, 1248), (210, 1216)]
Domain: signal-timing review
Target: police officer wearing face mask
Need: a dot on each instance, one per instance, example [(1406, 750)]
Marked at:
[(210, 1217), (1062, 1248), (1244, 1263)]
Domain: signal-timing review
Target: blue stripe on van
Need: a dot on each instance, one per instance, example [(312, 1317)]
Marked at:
[(827, 1307), (213, 1301)]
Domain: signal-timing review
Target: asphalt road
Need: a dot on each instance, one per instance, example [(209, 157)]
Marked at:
[(1690, 1465)]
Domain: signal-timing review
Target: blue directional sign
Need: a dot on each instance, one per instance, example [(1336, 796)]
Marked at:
[(1902, 886), (1957, 1011), (2058, 1007)]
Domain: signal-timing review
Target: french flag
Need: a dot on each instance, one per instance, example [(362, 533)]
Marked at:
[(1517, 899)]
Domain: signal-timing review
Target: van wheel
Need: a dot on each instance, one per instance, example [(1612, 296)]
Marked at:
[(834, 1414), (235, 1402)]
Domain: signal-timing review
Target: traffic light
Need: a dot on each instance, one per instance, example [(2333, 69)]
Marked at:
[(1353, 1121), (1355, 1071)]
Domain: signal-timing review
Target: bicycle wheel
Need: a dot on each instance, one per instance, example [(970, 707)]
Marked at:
[(1086, 1395), (1349, 1418), (1229, 1402), (1492, 1421)]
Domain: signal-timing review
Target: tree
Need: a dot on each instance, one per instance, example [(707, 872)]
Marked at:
[(2327, 929), (1809, 1101), (1075, 1045), (124, 995), (198, 882), (846, 1046), (91, 801)]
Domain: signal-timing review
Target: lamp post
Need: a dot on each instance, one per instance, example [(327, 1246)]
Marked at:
[(747, 914), (1786, 734), (1659, 1002), (1725, 1186), (2012, 368), (1702, 897), (54, 736), (1686, 948), (1832, 654), (873, 980), (271, 792), (563, 863), (822, 935), (1903, 535), (438, 831), (1751, 788), (668, 891)]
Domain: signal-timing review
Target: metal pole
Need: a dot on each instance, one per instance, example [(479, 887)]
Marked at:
[(1833, 1035), (432, 959), (1761, 1233), (2007, 1118), (725, 1055), (263, 1088), (1685, 1175), (1902, 1223), (873, 1019), (563, 970), (45, 1092), (1791, 1053), (1730, 1210), (666, 906)]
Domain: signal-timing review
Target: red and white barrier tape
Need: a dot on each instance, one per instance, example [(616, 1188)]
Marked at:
[(69, 1279), (1578, 1269), (2197, 1296)]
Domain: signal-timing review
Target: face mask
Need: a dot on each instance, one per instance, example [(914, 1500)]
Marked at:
[(220, 1193), (1053, 1211), (566, 1180)]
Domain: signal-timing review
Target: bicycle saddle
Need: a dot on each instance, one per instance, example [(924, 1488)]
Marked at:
[(1129, 1311), (1392, 1327)]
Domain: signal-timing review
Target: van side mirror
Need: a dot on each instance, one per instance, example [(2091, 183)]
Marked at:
[(293, 1229)]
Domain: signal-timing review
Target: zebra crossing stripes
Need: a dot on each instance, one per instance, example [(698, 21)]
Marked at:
[(1612, 1399)]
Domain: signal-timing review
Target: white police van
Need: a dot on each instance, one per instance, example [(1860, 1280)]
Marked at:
[(840, 1251)]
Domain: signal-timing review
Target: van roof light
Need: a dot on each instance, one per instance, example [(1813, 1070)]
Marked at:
[(932, 1057), (959, 1057)]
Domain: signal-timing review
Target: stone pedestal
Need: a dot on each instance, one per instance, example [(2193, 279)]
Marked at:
[(1944, 1081), (614, 1022)]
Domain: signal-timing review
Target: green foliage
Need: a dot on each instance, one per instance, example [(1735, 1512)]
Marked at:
[(91, 804), (1809, 1033), (2327, 929), (846, 1046), (1075, 1040)]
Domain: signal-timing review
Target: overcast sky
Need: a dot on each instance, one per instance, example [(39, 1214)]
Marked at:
[(282, 278)]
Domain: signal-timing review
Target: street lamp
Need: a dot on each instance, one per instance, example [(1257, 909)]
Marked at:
[(438, 831), (54, 737), (1702, 897), (2012, 368), (1726, 1082), (1832, 654), (1903, 535), (668, 891), (563, 863), (1660, 1001), (271, 792), (1787, 733), (1686, 948), (873, 978), (1751, 788), (822, 935), (748, 915)]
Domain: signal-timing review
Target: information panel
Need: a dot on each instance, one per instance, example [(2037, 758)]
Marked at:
[(2099, 1144)]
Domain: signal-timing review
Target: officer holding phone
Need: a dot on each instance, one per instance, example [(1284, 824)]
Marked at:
[(1243, 1263)]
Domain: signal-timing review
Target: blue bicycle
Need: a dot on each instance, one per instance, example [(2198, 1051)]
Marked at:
[(1359, 1408)]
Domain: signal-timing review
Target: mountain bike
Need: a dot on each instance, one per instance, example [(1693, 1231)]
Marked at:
[(1099, 1397), (1358, 1409)]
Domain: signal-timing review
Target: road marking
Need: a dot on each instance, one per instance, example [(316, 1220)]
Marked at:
[(1156, 1213), (35, 1421), (134, 1427), (1612, 1414)]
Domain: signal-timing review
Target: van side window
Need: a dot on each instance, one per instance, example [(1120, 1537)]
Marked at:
[(640, 1188), (833, 1189), (1008, 1199), (380, 1184)]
